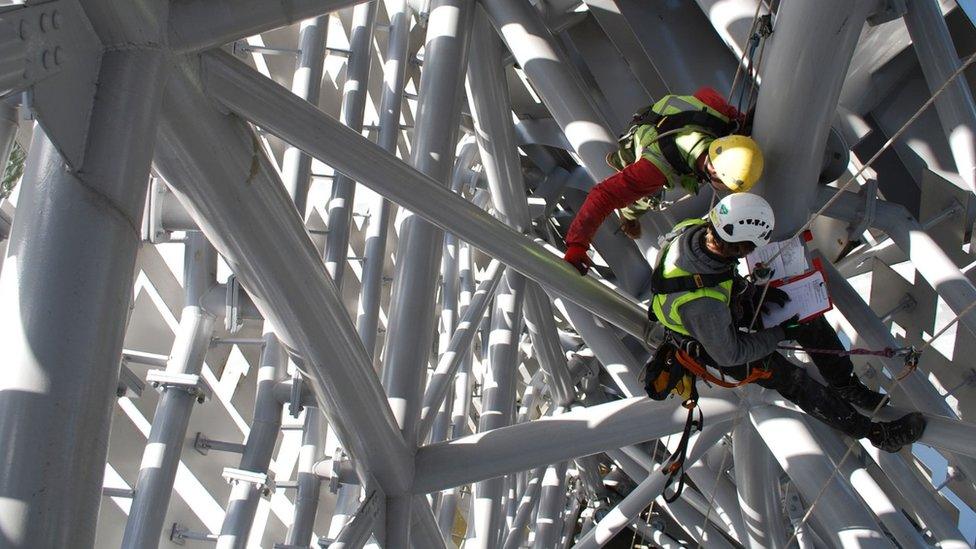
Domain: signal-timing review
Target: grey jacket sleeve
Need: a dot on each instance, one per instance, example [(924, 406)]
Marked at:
[(710, 322)]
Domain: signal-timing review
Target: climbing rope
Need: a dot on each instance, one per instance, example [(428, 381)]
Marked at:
[(910, 354)]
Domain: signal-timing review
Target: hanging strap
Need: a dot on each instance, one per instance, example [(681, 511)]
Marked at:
[(675, 467)]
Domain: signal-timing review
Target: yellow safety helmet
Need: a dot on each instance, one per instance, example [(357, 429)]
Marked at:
[(737, 160)]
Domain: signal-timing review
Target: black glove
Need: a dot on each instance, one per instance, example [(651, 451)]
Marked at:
[(773, 295), (776, 296), (792, 329)]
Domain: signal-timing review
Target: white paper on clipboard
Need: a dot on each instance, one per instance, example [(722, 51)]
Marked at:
[(808, 298), (791, 262)]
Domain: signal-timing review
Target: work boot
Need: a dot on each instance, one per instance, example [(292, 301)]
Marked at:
[(855, 392), (891, 436)]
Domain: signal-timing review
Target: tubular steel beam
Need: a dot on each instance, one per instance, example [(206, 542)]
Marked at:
[(196, 25), (309, 484), (262, 436), (939, 60), (351, 114), (843, 515), (157, 470), (549, 440), (221, 176), (551, 74), (854, 470), (275, 109), (802, 73), (296, 166), (757, 485), (450, 361), (463, 387), (491, 108), (498, 396), (70, 260), (409, 335), (551, 503), (391, 99)]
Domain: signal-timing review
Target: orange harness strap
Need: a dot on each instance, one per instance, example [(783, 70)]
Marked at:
[(696, 368)]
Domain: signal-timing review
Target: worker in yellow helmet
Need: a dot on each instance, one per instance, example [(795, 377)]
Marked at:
[(682, 140)]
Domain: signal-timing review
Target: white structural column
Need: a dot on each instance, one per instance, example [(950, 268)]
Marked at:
[(498, 398), (803, 71), (309, 484), (758, 488), (462, 386), (411, 318), (938, 58), (164, 446), (70, 259), (296, 166), (252, 222), (391, 100), (842, 514), (412, 307), (487, 90), (265, 426), (351, 114), (534, 47), (551, 503)]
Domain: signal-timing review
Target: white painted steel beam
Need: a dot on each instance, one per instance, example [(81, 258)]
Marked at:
[(196, 25), (207, 157), (577, 433), (273, 107)]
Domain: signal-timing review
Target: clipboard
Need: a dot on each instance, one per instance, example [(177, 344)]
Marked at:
[(809, 297)]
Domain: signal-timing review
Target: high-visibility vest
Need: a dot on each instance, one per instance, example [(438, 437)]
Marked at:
[(697, 126), (666, 306)]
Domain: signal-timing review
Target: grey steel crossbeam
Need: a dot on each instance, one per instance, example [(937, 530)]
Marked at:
[(196, 25), (577, 433), (273, 107)]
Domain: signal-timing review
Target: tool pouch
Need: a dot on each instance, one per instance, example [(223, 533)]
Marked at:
[(664, 375)]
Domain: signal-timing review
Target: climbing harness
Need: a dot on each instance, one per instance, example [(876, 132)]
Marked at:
[(675, 369)]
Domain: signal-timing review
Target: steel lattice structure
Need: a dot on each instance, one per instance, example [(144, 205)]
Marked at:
[(286, 273)]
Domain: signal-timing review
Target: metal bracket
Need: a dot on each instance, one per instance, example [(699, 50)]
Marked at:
[(193, 384), (870, 193), (295, 395), (127, 493), (178, 534), (888, 10), (129, 383), (232, 314), (262, 481), (203, 445), (61, 61)]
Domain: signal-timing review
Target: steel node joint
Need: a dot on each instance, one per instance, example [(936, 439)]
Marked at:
[(263, 482), (192, 384)]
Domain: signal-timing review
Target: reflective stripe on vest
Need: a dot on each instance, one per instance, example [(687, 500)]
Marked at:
[(667, 306), (691, 143)]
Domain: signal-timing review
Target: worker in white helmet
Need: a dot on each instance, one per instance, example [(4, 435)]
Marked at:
[(695, 288)]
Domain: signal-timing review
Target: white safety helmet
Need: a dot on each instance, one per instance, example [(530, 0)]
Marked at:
[(743, 217)]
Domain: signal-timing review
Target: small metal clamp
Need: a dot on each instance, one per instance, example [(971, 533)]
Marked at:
[(263, 481), (193, 384)]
